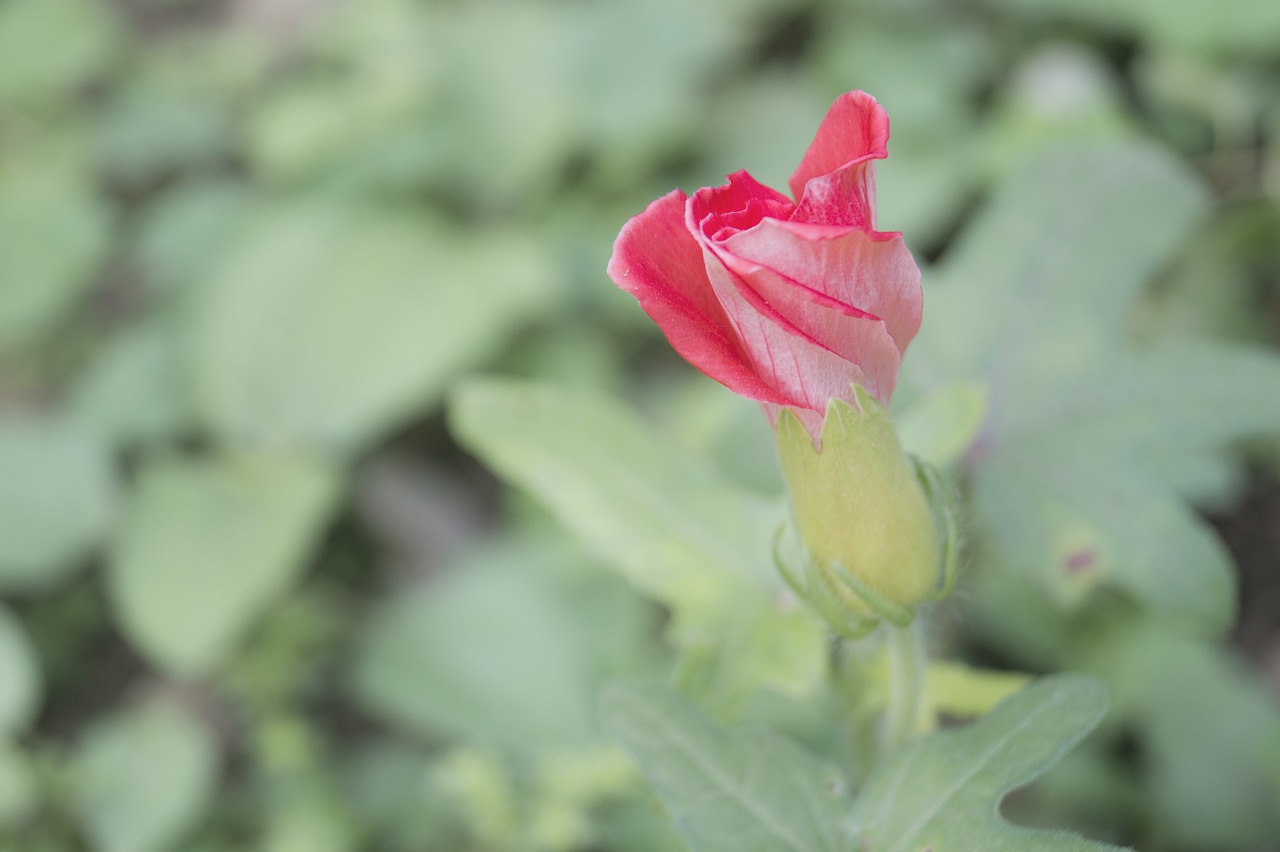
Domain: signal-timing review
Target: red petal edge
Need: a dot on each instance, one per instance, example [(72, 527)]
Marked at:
[(835, 182), (657, 260)]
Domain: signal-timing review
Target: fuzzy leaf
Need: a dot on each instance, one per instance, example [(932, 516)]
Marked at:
[(942, 792), (1039, 285), (1090, 443), (745, 791), (663, 519)]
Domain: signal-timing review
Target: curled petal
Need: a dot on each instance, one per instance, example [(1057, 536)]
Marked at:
[(805, 372), (716, 212), (868, 271), (657, 260), (835, 182), (856, 336)]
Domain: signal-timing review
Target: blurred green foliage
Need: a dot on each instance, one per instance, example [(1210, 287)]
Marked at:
[(256, 594)]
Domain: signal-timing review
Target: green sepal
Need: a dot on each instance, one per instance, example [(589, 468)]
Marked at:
[(868, 528), (943, 506), (850, 625)]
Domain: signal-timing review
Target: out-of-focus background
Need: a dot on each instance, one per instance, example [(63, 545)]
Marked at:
[(253, 593)]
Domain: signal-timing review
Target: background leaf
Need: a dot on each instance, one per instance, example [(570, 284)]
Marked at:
[(486, 653), (941, 425), (1056, 259), (207, 546), (144, 777), (89, 35), (45, 202), (1090, 442), (1242, 25), (1215, 791), (19, 677), (663, 519), (57, 495), (18, 794), (328, 322)]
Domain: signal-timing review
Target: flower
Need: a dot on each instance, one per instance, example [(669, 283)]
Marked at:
[(802, 305), (788, 302)]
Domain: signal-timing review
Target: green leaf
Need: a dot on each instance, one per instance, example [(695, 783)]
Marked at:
[(677, 532), (185, 230), (1158, 405), (167, 115), (86, 32), (1210, 294), (18, 795), (19, 677), (53, 235), (1062, 94), (1074, 520), (134, 390), (208, 546), (327, 323), (144, 777), (941, 425), (57, 496), (1091, 478), (746, 791), (869, 532), (485, 653), (1090, 442), (942, 792), (1250, 26), (1039, 285), (1203, 792)]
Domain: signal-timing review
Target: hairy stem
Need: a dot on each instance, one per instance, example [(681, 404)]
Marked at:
[(907, 660)]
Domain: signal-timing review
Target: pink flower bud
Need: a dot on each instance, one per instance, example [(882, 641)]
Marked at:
[(787, 301), (802, 305)]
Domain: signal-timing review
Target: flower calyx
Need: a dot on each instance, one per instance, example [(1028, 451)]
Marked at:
[(873, 532)]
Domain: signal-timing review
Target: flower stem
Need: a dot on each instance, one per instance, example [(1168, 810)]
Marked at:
[(907, 660)]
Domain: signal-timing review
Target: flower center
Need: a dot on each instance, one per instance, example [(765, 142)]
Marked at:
[(727, 224)]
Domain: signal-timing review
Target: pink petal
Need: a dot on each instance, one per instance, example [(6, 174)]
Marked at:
[(835, 182), (856, 336), (809, 419), (869, 273), (658, 261), (803, 369), (716, 212)]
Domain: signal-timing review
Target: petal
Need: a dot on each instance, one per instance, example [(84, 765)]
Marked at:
[(658, 261), (804, 370), (835, 182), (715, 212), (854, 335), (867, 271), (811, 420)]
